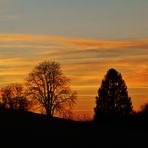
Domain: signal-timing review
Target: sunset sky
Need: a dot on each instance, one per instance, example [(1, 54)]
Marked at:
[(86, 36)]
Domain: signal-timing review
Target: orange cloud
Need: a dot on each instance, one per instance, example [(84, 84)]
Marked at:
[(85, 61), (102, 44)]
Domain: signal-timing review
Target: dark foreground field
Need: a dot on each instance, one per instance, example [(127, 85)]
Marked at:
[(24, 129)]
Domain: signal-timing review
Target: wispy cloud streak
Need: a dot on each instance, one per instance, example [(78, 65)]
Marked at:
[(85, 61)]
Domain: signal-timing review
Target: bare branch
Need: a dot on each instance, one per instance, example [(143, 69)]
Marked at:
[(49, 86)]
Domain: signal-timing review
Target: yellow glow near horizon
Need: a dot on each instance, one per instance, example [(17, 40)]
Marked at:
[(84, 61)]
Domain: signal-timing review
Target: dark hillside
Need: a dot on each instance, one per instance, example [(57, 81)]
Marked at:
[(26, 127)]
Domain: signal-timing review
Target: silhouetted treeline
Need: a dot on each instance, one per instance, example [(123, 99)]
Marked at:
[(46, 90)]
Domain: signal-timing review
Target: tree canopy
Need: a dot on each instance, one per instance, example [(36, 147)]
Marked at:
[(13, 96), (113, 96), (50, 88)]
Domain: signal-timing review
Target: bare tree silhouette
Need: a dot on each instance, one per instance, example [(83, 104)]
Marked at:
[(48, 86), (13, 96), (112, 96)]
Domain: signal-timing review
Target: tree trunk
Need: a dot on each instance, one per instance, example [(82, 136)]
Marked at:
[(48, 112)]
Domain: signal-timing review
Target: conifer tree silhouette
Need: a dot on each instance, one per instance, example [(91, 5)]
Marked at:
[(112, 96)]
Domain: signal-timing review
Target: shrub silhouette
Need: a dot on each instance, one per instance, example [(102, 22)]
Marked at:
[(112, 96), (13, 96), (144, 108)]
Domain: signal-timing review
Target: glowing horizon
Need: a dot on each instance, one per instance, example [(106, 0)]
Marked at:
[(84, 61), (86, 37)]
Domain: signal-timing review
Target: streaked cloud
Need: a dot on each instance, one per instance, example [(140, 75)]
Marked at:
[(100, 44), (84, 61)]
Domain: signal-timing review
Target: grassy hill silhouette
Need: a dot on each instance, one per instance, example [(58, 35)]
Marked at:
[(36, 128)]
